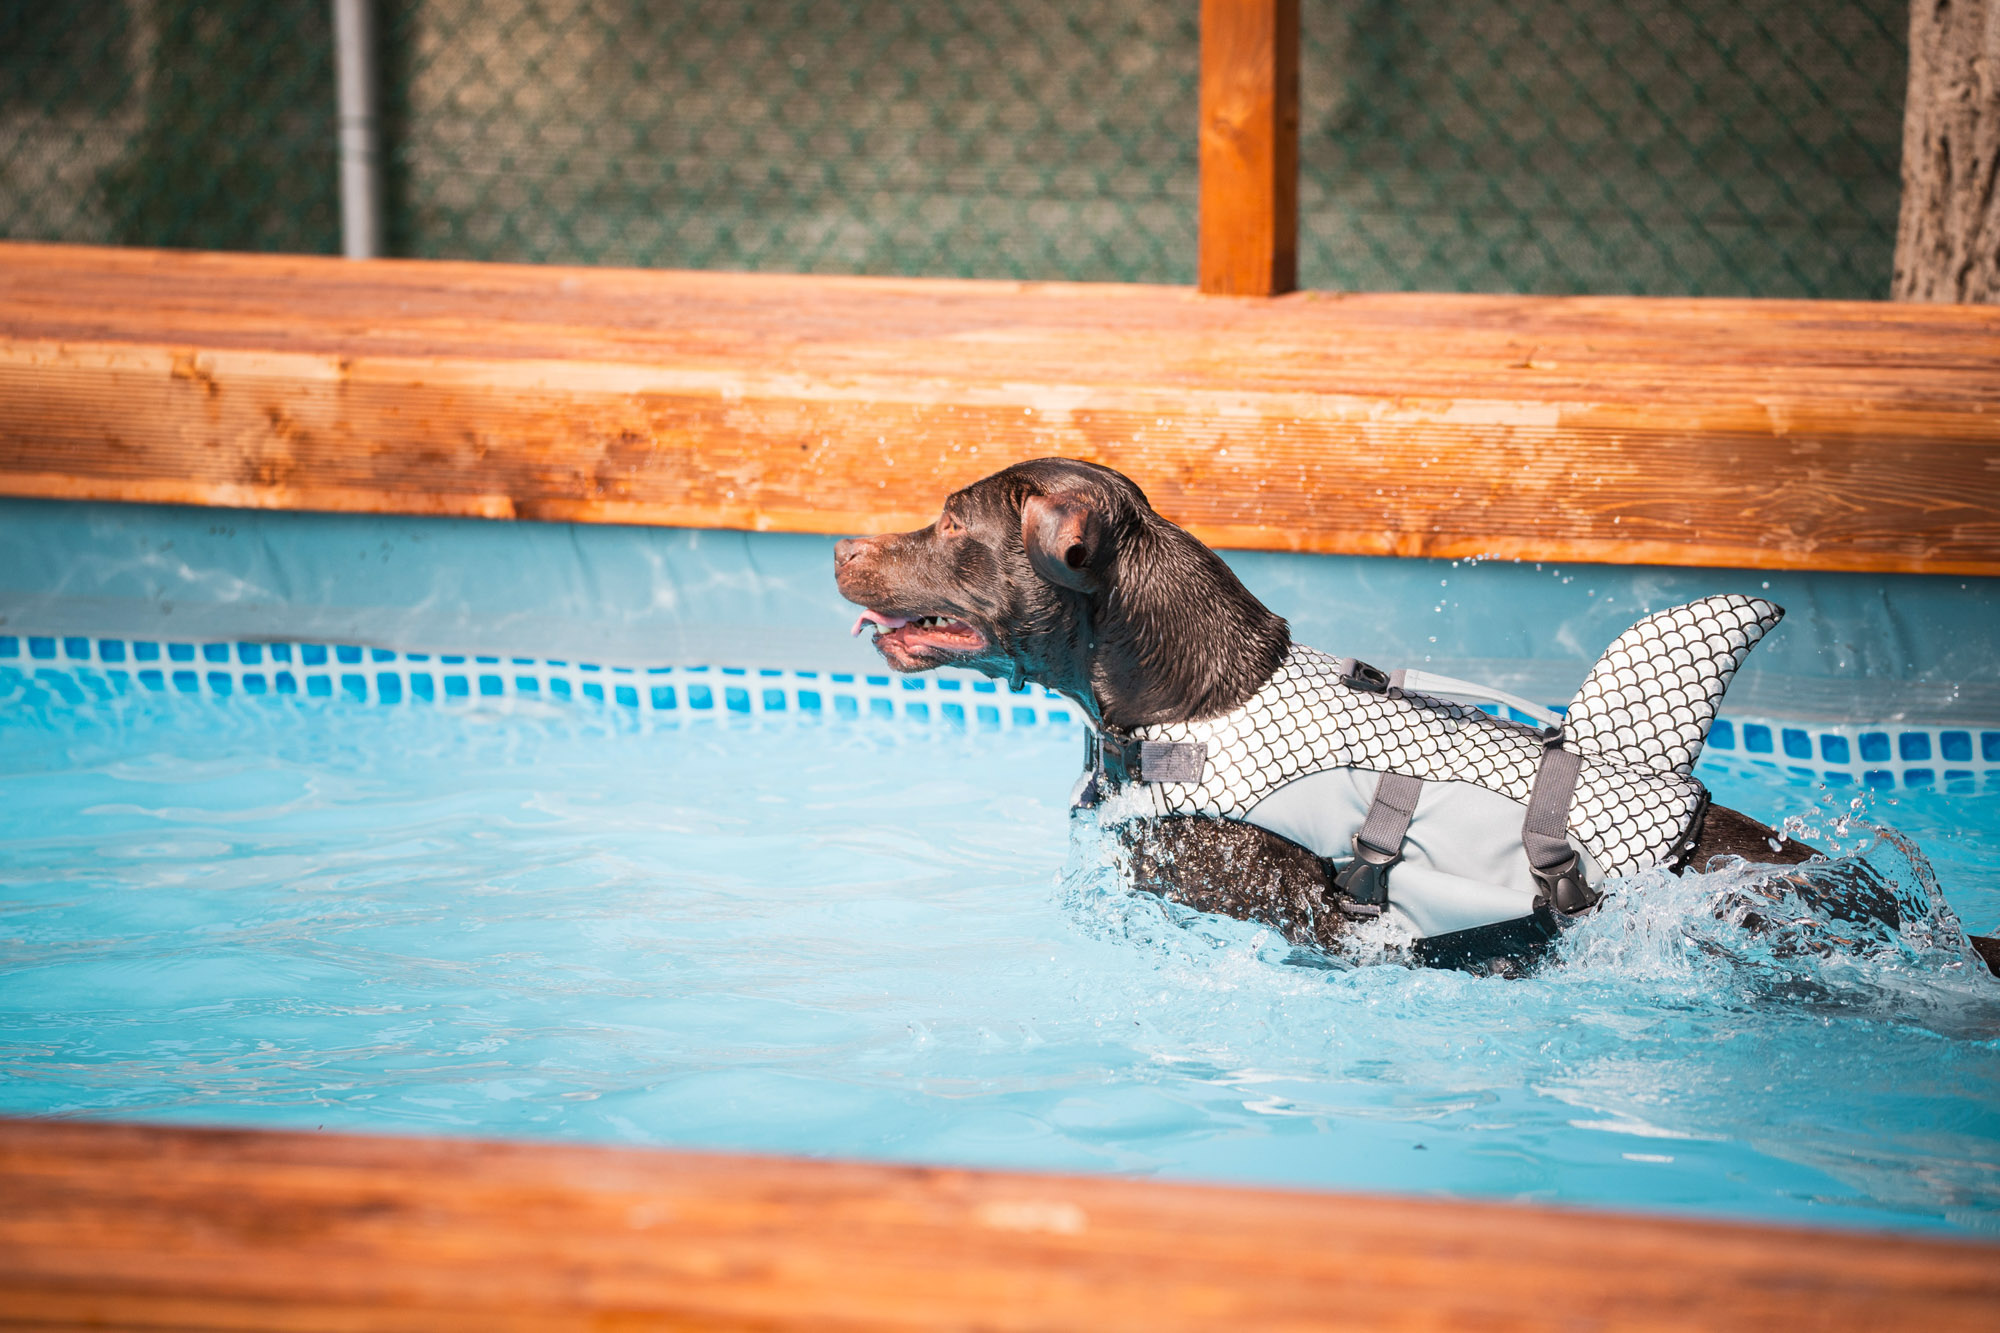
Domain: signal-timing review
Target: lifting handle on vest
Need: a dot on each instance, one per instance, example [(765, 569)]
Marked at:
[(1358, 675)]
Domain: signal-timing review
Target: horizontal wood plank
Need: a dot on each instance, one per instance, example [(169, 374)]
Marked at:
[(1766, 434), (122, 1226)]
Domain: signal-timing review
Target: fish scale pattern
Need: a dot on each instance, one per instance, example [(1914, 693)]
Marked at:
[(1652, 696), (1305, 720)]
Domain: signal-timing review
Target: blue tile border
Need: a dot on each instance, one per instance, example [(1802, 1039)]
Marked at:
[(357, 674), (1863, 754), (1955, 757)]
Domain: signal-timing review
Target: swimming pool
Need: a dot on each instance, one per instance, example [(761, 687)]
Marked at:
[(781, 923)]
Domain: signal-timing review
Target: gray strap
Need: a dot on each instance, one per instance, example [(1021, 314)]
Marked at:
[(1172, 761), (1389, 813), (1545, 829), (1363, 884), (1120, 759)]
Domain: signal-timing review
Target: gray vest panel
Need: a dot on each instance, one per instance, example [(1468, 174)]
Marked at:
[(1463, 864)]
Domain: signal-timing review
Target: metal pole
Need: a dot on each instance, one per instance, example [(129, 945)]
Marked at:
[(360, 160)]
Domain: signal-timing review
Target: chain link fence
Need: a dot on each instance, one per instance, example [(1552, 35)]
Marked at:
[(146, 122), (1697, 147), (1027, 138), (1647, 146)]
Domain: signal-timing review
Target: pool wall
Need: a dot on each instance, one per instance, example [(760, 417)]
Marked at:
[(1925, 647), (1884, 680)]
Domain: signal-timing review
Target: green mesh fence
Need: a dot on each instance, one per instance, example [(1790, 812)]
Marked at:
[(1703, 147), (1030, 138), (142, 123), (1700, 147)]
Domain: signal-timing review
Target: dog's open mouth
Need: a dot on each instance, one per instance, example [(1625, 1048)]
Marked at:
[(905, 640)]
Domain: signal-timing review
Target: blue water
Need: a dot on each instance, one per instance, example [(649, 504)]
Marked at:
[(884, 941)]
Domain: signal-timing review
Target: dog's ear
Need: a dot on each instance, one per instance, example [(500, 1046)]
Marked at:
[(1065, 537)]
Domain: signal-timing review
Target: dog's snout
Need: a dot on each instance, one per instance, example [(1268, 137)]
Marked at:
[(847, 548)]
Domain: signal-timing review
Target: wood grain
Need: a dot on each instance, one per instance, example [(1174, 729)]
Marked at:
[(130, 1227), (1763, 434), (1248, 216)]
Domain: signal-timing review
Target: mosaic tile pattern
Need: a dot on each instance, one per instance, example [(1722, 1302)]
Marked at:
[(1884, 757), (1953, 758), (78, 668)]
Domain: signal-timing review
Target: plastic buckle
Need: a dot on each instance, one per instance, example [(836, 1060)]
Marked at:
[(1361, 676), (1564, 888), (1084, 795), (1117, 761), (1363, 883)]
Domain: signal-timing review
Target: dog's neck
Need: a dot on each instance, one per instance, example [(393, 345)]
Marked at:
[(1175, 636)]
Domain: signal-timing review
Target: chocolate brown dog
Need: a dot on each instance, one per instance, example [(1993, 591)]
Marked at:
[(1060, 573)]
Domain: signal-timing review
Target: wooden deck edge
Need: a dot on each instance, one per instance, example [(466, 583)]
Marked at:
[(1778, 435), (137, 1227)]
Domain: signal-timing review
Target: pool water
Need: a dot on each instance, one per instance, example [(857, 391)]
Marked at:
[(836, 936)]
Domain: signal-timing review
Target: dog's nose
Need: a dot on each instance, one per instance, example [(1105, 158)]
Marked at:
[(847, 548)]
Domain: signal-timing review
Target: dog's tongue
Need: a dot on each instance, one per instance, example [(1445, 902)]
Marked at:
[(868, 618)]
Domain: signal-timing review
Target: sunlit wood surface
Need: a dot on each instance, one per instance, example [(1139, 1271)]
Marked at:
[(1755, 433), (1249, 205), (125, 1227)]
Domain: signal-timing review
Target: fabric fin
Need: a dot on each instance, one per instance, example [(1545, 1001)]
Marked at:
[(1651, 697)]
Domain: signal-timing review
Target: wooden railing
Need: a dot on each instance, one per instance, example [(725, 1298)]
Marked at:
[(1769, 434), (148, 1228)]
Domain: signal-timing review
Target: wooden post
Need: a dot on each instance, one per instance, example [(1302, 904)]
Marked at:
[(1249, 146)]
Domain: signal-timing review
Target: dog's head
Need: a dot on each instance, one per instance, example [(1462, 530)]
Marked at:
[(1059, 572)]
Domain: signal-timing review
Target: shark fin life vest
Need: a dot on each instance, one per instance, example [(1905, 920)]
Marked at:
[(1436, 813)]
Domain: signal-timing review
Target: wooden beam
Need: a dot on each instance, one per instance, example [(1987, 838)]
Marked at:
[(1764, 434), (1249, 212), (126, 1227)]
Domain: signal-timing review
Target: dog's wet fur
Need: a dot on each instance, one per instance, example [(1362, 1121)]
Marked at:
[(1059, 572)]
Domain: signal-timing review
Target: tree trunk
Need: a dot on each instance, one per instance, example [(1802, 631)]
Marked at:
[(1948, 238)]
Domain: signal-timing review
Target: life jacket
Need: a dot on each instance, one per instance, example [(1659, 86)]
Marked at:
[(1436, 814)]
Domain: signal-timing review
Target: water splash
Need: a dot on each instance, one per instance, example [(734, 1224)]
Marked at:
[(1866, 926)]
